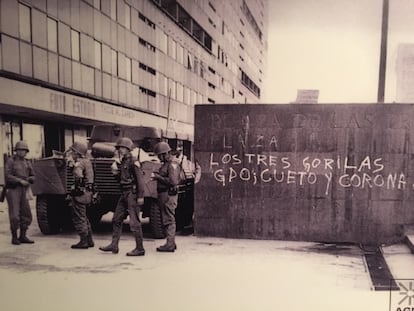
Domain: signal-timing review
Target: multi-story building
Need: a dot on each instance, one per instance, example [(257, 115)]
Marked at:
[(66, 65), (405, 73)]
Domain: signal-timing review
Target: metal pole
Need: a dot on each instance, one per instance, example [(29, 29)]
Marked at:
[(383, 53)]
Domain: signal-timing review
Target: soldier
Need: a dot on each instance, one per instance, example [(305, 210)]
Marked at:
[(81, 194), (167, 181), (131, 178), (19, 175)]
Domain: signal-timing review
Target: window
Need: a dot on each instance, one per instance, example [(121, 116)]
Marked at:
[(52, 34), (147, 91), (148, 45), (189, 61), (180, 92), (162, 85), (128, 64), (163, 40), (171, 88), (113, 10), (180, 52), (98, 55), (146, 20), (114, 67), (97, 4), (127, 16), (172, 48), (75, 44), (25, 23)]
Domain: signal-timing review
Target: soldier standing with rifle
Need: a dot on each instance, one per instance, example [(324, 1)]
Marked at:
[(167, 179), (19, 175), (81, 194), (129, 172)]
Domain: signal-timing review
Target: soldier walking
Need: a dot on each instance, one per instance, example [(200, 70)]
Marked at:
[(19, 175), (130, 175), (167, 179), (81, 194)]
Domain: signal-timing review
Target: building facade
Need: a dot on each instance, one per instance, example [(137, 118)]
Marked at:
[(66, 65), (405, 73)]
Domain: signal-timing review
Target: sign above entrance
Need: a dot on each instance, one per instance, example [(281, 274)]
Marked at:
[(51, 101)]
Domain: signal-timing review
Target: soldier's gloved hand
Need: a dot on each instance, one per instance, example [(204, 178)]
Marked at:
[(89, 187), (24, 183), (140, 201), (31, 179), (71, 163)]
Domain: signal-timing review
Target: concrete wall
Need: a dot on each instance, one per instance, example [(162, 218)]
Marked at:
[(340, 173)]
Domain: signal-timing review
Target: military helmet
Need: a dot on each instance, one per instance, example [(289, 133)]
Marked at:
[(79, 147), (162, 147), (21, 145), (124, 142)]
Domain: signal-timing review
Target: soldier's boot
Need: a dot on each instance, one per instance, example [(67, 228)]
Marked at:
[(90, 239), (170, 245), (82, 244), (23, 237), (15, 240), (139, 248), (113, 246)]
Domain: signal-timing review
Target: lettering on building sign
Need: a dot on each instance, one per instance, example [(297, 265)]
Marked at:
[(57, 102), (271, 169), (117, 111), (83, 107)]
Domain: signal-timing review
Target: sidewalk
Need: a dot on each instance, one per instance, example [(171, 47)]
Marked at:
[(204, 274)]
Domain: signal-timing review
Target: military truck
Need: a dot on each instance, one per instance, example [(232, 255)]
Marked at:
[(54, 181)]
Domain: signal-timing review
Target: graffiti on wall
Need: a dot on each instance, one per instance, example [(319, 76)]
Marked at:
[(369, 173)]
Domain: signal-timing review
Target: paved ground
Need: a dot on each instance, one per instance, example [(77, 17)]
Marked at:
[(204, 274)]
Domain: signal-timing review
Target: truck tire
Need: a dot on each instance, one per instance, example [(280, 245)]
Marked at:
[(51, 212), (157, 229)]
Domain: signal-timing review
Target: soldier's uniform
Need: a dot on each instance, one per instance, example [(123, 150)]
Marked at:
[(81, 196), (131, 179), (19, 175), (167, 181)]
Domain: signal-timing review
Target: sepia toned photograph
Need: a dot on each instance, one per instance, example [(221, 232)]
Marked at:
[(206, 155)]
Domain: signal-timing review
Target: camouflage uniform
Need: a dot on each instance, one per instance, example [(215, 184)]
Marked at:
[(16, 170), (131, 179), (167, 181), (81, 197)]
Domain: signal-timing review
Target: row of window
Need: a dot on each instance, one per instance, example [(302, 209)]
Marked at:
[(250, 18), (247, 82), (112, 61), (183, 19)]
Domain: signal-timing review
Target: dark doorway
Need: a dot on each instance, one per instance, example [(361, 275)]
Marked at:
[(54, 138)]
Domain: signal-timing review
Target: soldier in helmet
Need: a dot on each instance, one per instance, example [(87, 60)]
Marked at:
[(167, 179), (81, 194), (19, 175), (129, 172)]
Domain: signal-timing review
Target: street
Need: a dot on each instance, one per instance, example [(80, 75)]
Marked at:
[(203, 274)]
